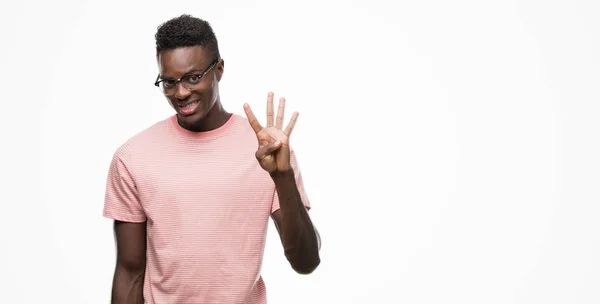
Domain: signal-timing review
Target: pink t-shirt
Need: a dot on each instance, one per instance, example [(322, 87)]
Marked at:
[(207, 204)]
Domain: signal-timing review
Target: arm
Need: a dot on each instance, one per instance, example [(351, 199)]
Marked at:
[(301, 241), (128, 281)]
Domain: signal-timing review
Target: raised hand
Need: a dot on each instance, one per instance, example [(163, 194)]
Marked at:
[(273, 152)]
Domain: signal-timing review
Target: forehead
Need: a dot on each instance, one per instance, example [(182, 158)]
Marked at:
[(175, 63)]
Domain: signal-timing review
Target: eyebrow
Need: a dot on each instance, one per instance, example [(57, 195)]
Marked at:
[(190, 72)]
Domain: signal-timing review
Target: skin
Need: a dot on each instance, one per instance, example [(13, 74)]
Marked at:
[(179, 62), (128, 280), (299, 238)]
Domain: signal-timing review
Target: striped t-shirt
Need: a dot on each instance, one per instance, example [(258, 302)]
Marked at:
[(206, 202)]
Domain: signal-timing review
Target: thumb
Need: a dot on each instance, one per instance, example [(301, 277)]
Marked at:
[(266, 150)]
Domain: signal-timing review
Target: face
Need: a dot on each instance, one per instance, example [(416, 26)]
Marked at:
[(192, 104)]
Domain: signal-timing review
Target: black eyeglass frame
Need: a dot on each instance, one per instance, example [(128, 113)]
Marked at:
[(200, 76)]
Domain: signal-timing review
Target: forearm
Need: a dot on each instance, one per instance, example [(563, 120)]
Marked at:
[(128, 286), (299, 237)]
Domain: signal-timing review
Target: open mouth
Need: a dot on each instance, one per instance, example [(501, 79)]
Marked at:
[(188, 108)]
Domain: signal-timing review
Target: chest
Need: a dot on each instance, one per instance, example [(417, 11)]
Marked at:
[(205, 189)]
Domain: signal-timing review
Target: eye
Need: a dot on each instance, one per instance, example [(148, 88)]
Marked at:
[(168, 83), (193, 79)]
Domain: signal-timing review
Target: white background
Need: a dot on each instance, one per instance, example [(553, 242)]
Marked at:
[(450, 149)]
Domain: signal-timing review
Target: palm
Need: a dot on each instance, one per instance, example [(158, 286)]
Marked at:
[(273, 151)]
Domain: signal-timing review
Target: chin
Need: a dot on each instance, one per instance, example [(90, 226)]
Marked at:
[(197, 117), (194, 119)]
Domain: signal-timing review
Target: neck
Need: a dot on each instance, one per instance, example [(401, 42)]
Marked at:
[(214, 119)]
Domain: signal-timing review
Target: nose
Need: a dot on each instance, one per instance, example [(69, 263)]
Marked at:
[(181, 92)]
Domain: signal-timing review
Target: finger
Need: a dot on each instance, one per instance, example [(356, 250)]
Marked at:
[(290, 127), (270, 109), (280, 113), (267, 150), (252, 119)]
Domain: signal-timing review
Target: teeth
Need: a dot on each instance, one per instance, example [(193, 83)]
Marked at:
[(189, 105)]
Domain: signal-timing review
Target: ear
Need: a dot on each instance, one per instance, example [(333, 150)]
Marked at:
[(220, 69)]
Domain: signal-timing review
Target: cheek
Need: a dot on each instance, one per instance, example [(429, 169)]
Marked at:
[(210, 91), (214, 86)]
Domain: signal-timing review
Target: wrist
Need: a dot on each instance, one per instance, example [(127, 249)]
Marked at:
[(282, 176)]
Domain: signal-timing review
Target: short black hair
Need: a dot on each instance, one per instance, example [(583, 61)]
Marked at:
[(186, 31)]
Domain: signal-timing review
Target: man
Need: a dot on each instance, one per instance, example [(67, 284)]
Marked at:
[(191, 195)]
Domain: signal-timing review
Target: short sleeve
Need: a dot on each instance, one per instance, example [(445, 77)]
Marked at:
[(299, 184), (121, 200)]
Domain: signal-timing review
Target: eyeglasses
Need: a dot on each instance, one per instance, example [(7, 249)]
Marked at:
[(190, 82)]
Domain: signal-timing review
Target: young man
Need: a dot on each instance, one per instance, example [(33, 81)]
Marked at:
[(191, 196)]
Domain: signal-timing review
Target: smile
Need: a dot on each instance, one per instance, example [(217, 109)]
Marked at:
[(188, 108)]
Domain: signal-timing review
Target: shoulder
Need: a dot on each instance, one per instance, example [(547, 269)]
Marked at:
[(142, 141), (242, 129), (242, 125)]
